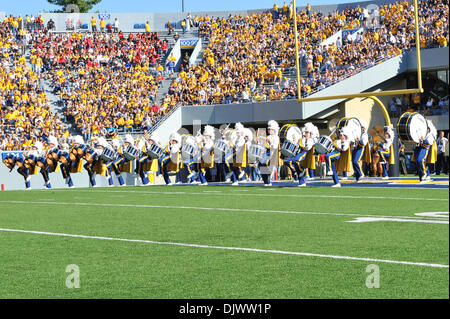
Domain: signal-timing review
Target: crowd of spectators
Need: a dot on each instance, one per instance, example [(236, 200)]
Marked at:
[(25, 113), (246, 53), (108, 82)]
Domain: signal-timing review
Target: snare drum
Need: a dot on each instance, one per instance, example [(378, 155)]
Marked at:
[(255, 152), (411, 127), (189, 148), (324, 145), (289, 149), (221, 147), (155, 151), (354, 125), (131, 152), (108, 154)]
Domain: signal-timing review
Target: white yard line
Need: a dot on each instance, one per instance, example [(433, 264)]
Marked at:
[(207, 209), (410, 263), (218, 193)]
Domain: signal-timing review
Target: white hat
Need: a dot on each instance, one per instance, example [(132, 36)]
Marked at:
[(273, 125), (154, 137), (239, 127), (175, 137), (209, 131), (363, 124), (309, 127), (129, 139), (53, 140), (248, 133), (102, 142), (115, 142), (78, 139)]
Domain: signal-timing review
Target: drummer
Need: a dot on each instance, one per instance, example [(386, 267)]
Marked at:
[(171, 157), (358, 151), (385, 150), (64, 158), (121, 159), (341, 145), (145, 145), (305, 142), (270, 158), (421, 153), (206, 145), (90, 166), (115, 143)]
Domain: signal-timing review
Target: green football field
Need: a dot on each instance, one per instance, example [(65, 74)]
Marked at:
[(224, 242)]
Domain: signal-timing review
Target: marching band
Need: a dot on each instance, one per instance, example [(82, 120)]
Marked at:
[(233, 155)]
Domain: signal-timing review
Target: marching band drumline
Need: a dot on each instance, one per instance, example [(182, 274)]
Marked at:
[(231, 153)]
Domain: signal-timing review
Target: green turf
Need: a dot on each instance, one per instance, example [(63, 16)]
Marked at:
[(33, 266)]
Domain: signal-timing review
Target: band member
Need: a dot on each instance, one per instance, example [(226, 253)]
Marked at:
[(121, 160), (309, 163), (421, 152), (191, 161), (170, 161), (142, 163), (219, 158), (271, 156), (236, 158), (205, 158), (341, 145), (360, 148), (27, 166), (94, 165), (306, 143), (110, 164), (64, 158), (386, 150), (49, 160)]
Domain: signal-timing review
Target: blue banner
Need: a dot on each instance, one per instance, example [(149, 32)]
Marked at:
[(188, 43), (7, 153)]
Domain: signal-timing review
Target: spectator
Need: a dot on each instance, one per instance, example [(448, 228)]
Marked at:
[(116, 25), (94, 24), (442, 145)]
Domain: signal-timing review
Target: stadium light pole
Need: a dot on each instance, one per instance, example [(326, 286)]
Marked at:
[(182, 6), (297, 61)]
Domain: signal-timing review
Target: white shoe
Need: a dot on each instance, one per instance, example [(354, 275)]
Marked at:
[(123, 185), (301, 185), (146, 184), (428, 178), (204, 184), (268, 184), (228, 180), (111, 185), (330, 173), (385, 177), (190, 175), (423, 181), (28, 178), (359, 181), (336, 185), (344, 178), (170, 184), (235, 183), (28, 188), (178, 183), (241, 175)]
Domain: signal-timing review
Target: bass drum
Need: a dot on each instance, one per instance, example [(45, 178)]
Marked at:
[(354, 125), (411, 127), (290, 132)]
